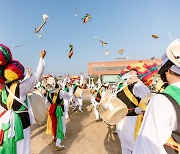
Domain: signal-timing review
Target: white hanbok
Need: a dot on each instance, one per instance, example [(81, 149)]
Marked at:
[(125, 128), (23, 146), (159, 121), (62, 95), (97, 115)]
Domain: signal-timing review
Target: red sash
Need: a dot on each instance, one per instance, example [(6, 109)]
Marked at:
[(52, 113), (1, 131)]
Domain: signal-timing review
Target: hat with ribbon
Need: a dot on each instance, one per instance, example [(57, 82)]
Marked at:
[(14, 70), (171, 59), (5, 55)]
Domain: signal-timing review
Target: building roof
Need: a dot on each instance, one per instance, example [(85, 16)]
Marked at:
[(114, 67)]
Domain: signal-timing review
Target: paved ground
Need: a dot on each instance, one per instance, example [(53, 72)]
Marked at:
[(84, 135)]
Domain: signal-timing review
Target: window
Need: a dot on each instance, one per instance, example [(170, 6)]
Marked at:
[(115, 68)]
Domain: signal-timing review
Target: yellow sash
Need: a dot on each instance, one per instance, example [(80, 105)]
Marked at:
[(139, 119), (49, 121), (173, 144), (55, 95), (10, 98), (130, 95), (135, 102)]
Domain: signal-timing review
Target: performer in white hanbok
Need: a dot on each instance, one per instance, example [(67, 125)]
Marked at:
[(77, 98), (56, 122), (67, 88), (93, 96), (81, 79), (160, 129), (131, 92), (100, 94), (16, 113)]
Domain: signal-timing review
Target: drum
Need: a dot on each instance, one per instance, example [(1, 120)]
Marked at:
[(38, 106), (112, 109), (78, 92)]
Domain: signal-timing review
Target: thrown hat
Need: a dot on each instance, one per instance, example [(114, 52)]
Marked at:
[(14, 71), (5, 55), (155, 36)]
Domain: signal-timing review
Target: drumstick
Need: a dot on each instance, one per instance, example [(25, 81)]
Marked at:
[(40, 27)]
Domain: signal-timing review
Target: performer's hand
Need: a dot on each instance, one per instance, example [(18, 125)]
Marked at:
[(133, 80), (138, 110), (28, 71), (42, 54), (114, 94)]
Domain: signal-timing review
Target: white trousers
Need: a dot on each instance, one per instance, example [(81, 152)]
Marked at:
[(92, 100), (64, 124), (23, 146), (97, 115), (78, 101), (125, 129), (66, 108), (58, 142)]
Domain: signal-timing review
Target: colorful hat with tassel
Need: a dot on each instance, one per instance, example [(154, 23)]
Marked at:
[(14, 71), (124, 71), (146, 72), (139, 67), (149, 77), (5, 55), (2, 78)]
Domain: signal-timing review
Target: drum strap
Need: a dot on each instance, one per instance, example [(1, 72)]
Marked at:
[(130, 96), (55, 95), (139, 117)]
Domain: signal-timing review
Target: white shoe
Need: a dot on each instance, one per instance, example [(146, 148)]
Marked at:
[(80, 110), (65, 136), (60, 147), (74, 109), (96, 120)]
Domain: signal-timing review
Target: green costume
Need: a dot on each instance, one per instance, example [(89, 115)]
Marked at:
[(9, 144), (174, 92), (59, 114)]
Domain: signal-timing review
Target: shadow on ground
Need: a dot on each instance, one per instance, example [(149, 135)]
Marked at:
[(84, 135), (74, 126)]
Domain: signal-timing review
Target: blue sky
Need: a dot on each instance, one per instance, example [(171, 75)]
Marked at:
[(126, 24)]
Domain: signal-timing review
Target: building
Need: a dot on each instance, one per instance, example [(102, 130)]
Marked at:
[(109, 71)]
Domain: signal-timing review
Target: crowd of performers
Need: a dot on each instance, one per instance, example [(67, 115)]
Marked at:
[(148, 127), (152, 126), (58, 98)]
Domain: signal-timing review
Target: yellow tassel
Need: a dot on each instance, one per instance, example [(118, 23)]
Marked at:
[(10, 98), (173, 144), (49, 125), (138, 125)]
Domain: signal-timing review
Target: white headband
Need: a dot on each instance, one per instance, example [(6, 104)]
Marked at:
[(175, 69)]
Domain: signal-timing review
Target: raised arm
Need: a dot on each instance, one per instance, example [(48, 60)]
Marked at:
[(28, 73), (30, 82)]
